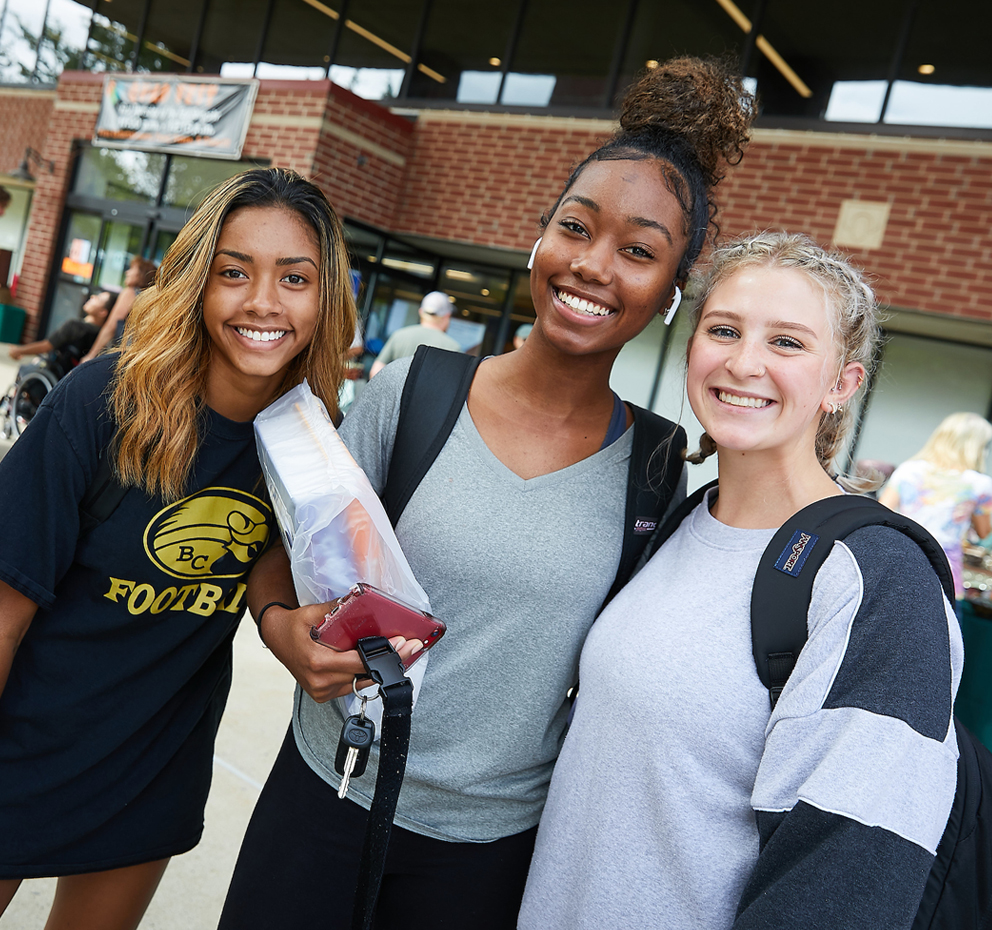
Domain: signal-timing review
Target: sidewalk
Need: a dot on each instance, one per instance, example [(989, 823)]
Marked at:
[(258, 712)]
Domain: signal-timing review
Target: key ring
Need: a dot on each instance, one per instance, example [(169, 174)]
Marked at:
[(364, 697)]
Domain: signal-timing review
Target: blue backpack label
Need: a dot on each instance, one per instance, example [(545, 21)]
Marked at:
[(794, 555)]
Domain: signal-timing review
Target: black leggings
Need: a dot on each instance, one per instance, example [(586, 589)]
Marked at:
[(298, 866)]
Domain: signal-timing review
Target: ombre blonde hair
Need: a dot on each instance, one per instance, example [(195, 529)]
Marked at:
[(850, 300), (158, 391), (960, 443)]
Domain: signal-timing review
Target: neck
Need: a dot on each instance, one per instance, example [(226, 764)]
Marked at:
[(756, 493), (556, 381)]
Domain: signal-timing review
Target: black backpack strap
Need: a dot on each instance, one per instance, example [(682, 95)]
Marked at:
[(425, 420), (653, 476), (783, 583), (103, 495), (665, 530)]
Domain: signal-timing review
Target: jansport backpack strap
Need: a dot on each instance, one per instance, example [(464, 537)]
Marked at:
[(425, 420), (783, 583), (652, 478)]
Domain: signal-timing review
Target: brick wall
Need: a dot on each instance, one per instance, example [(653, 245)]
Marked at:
[(24, 118), (362, 158), (74, 111), (355, 150), (486, 178), (936, 254)]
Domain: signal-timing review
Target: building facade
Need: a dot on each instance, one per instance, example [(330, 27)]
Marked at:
[(442, 129)]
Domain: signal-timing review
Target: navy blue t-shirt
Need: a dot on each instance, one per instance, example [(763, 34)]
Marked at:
[(130, 648)]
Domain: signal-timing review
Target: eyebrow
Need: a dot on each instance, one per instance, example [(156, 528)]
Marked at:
[(640, 221), (242, 257), (771, 324)]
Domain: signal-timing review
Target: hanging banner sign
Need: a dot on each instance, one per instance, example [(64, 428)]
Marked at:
[(175, 113)]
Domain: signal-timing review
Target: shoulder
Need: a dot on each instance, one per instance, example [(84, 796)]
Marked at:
[(981, 482), (86, 387), (379, 400)]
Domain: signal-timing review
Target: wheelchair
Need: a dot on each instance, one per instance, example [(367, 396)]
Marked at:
[(34, 380)]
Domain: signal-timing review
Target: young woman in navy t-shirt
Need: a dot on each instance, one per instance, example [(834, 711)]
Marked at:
[(115, 643)]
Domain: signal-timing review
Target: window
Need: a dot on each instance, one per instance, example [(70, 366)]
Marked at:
[(114, 35), (945, 78), (662, 31), (190, 179), (231, 34), (458, 60), (375, 47), (298, 40), (22, 25), (563, 54), (63, 44), (119, 174), (167, 43)]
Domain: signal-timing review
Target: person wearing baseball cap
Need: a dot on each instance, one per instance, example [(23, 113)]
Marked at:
[(435, 315)]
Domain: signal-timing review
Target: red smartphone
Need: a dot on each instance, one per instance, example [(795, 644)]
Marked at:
[(367, 611)]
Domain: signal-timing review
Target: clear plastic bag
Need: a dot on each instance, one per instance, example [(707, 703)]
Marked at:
[(331, 520)]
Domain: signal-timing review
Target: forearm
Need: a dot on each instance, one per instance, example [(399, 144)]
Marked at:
[(322, 672), (16, 614), (102, 338), (31, 348), (821, 870), (271, 580)]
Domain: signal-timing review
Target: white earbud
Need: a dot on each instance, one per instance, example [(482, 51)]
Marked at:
[(676, 300), (533, 252)]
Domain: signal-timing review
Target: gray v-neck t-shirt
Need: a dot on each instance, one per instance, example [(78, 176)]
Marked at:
[(517, 569)]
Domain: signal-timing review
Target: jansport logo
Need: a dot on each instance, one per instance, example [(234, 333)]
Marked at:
[(794, 555), (644, 526), (216, 533)]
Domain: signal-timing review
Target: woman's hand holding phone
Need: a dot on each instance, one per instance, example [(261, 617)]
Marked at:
[(322, 672)]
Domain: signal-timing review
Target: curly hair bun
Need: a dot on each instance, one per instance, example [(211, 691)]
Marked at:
[(702, 100)]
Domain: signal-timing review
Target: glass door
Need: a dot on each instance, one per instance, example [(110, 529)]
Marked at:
[(96, 251)]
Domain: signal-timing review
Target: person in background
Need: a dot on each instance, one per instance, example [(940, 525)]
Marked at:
[(944, 488), (115, 638), (679, 801), (520, 336), (515, 533), (435, 317), (75, 335), (140, 274)]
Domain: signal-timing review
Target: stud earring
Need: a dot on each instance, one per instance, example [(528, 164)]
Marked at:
[(676, 300), (533, 252)]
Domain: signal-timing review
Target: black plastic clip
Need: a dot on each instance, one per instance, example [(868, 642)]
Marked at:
[(381, 661)]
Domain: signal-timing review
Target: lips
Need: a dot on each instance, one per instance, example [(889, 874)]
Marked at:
[(741, 400), (582, 305), (260, 335)]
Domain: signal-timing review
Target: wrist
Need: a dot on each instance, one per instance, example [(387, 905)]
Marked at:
[(261, 614)]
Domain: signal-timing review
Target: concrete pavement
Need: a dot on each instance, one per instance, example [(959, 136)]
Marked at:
[(258, 712)]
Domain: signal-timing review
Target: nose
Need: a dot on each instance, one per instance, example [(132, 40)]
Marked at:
[(594, 263), (744, 361), (262, 298)]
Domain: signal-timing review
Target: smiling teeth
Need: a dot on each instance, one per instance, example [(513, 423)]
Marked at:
[(742, 401), (258, 336), (582, 306)]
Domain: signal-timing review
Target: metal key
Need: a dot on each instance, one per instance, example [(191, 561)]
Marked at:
[(352, 756)]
